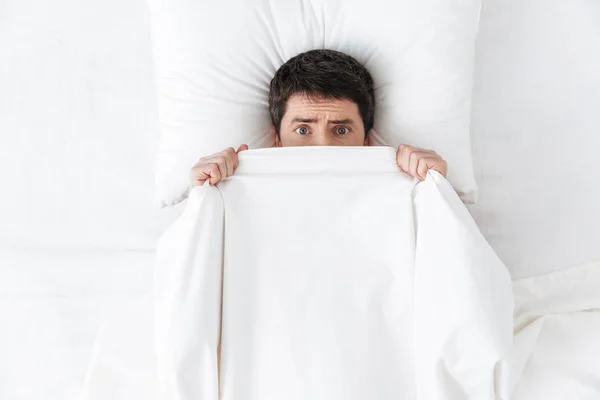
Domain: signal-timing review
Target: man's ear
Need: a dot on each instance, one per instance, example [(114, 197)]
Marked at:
[(276, 137), (368, 137)]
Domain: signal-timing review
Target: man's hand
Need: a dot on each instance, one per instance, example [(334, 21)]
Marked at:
[(217, 167), (417, 162)]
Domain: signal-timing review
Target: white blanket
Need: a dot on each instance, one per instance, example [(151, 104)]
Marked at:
[(327, 273), (554, 357)]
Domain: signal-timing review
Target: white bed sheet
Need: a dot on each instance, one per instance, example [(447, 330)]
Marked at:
[(535, 132), (52, 304), (557, 319), (557, 336)]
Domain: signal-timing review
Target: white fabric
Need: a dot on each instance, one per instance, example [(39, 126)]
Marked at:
[(78, 136), (557, 336), (342, 278), (535, 132), (214, 61), (51, 305)]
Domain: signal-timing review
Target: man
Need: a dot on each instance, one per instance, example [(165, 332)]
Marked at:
[(320, 98)]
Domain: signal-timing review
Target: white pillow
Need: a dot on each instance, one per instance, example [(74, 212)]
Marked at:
[(215, 59)]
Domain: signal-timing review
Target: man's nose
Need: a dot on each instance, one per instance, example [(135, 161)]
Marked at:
[(322, 139)]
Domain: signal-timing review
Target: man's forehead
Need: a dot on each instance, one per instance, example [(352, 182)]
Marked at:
[(301, 106), (301, 99)]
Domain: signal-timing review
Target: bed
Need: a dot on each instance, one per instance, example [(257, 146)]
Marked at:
[(77, 242)]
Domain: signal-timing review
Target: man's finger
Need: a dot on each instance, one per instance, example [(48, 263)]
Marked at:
[(440, 166), (405, 158), (420, 150), (198, 179), (215, 174), (414, 158), (229, 161), (413, 163), (222, 168), (399, 158), (423, 166), (236, 160), (434, 163)]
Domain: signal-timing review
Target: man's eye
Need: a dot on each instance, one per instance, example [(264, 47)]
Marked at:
[(302, 131), (342, 130)]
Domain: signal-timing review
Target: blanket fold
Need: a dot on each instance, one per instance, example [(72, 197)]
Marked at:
[(327, 273)]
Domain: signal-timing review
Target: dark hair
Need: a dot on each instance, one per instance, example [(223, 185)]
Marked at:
[(325, 74)]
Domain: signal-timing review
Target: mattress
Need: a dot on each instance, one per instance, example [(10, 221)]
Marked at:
[(52, 304)]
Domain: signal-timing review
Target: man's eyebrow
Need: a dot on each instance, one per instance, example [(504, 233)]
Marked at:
[(331, 121), (304, 120), (340, 121)]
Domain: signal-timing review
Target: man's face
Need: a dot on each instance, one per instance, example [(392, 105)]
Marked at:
[(321, 122)]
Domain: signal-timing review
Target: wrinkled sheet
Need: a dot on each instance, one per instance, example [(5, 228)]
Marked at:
[(557, 318), (327, 273), (556, 353), (554, 357)]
